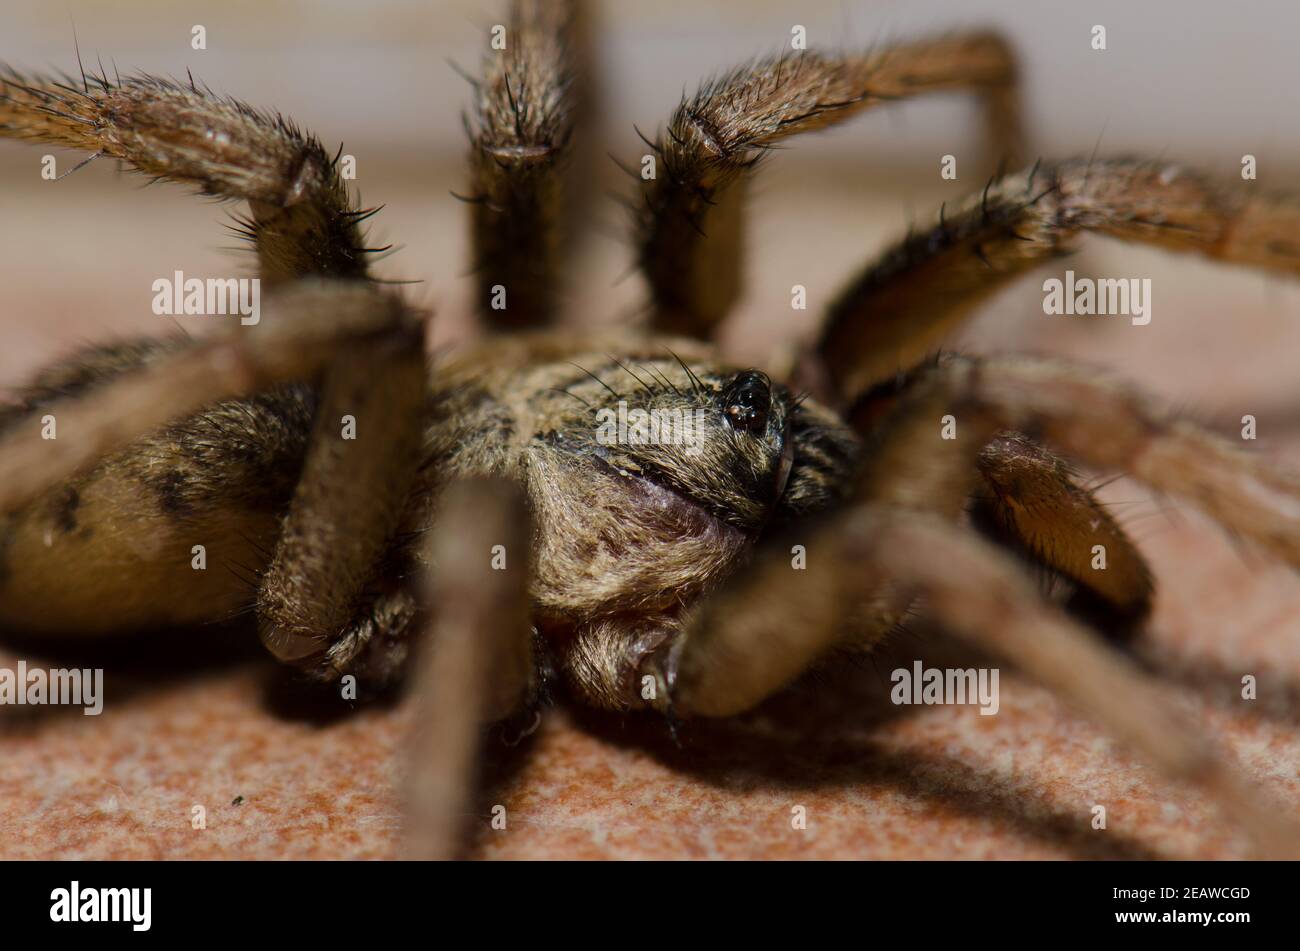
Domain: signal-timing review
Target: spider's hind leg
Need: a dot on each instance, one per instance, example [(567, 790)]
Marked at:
[(355, 487), (320, 602)]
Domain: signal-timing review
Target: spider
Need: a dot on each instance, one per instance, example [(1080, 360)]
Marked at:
[(363, 498)]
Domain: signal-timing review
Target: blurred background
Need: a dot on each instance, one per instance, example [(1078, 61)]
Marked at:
[(1199, 82)]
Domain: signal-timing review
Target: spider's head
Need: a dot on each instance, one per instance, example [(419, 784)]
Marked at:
[(766, 455), (650, 477), (732, 443)]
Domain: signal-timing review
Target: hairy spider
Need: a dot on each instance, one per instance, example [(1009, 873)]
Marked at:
[(695, 564)]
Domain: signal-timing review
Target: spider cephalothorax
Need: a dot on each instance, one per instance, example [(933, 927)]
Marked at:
[(655, 527), (650, 476)]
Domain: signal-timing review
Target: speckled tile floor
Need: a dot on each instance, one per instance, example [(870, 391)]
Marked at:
[(875, 781)]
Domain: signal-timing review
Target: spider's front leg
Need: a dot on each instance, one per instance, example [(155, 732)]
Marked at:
[(772, 622), (475, 665), (874, 557)]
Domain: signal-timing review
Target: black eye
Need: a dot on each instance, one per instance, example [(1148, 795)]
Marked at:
[(747, 402)]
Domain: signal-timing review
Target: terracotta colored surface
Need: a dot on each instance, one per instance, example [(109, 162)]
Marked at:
[(204, 719), (876, 781)]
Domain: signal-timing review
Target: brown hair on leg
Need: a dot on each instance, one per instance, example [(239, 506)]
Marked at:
[(690, 229)]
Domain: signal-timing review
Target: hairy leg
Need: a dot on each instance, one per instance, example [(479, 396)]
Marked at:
[(1104, 422), (475, 666), (745, 642), (361, 463), (527, 103), (690, 230), (769, 622), (303, 221), (1088, 415), (905, 303), (313, 603), (977, 593), (303, 328), (1036, 507), (1026, 498)]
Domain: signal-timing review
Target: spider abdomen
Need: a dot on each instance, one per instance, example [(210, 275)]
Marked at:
[(174, 529)]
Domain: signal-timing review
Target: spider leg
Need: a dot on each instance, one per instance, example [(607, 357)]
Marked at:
[(1102, 421), (769, 622), (973, 590), (1036, 507), (475, 665), (689, 232), (904, 304), (315, 602), (527, 105), (303, 224), (362, 459), (1027, 498), (302, 329), (1087, 414), (303, 220), (874, 556)]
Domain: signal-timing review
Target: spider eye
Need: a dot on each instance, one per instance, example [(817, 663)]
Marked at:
[(747, 402)]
